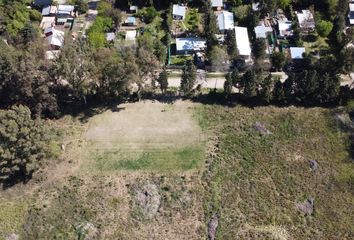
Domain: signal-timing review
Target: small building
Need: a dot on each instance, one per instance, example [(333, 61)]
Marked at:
[(65, 14), (130, 21), (48, 31), (133, 9), (189, 45), (306, 20), (217, 4), (285, 29), (262, 31), (42, 3), (56, 39), (130, 35), (47, 22), (110, 36), (225, 20), (351, 13), (243, 42), (297, 53), (178, 12), (49, 10)]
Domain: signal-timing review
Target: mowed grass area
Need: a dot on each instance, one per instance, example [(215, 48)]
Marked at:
[(145, 136), (255, 180)]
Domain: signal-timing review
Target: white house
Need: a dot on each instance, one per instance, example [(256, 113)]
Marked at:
[(178, 12), (47, 22), (351, 13), (297, 53), (262, 31), (285, 29), (189, 45), (225, 20), (243, 42), (56, 39), (218, 4), (306, 20)]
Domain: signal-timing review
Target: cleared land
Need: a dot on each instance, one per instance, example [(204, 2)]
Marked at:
[(138, 172), (146, 136)]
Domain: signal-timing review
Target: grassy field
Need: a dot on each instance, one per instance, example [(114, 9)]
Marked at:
[(255, 180), (152, 170)]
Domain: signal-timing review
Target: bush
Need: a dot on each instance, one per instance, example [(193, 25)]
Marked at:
[(324, 28), (22, 144)]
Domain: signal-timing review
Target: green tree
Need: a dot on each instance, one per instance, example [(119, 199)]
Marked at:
[(324, 28), (266, 89), (219, 59), (278, 60), (163, 81), (23, 144), (189, 77), (228, 84), (259, 49), (278, 92), (250, 84), (75, 66), (230, 42), (81, 5)]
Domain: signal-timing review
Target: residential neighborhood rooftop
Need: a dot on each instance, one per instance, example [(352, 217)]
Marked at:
[(225, 20), (297, 52), (188, 44), (216, 3), (179, 10), (242, 41), (306, 19)]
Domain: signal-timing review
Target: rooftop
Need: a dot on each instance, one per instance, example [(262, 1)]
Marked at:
[(216, 3), (297, 52), (179, 10), (225, 20), (57, 38), (242, 41), (110, 36), (261, 31), (306, 19), (190, 44)]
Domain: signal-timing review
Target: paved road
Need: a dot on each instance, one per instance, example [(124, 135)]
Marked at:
[(218, 81)]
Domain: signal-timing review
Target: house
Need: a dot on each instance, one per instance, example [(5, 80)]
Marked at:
[(189, 45), (351, 13), (285, 29), (306, 20), (130, 35), (130, 21), (225, 20), (262, 31), (47, 22), (178, 12), (56, 39), (297, 53), (133, 9), (41, 3), (243, 42), (217, 4), (49, 10), (65, 14), (110, 36), (48, 31)]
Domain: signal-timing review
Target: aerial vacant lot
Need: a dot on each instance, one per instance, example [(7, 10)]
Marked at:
[(145, 136), (152, 170)]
